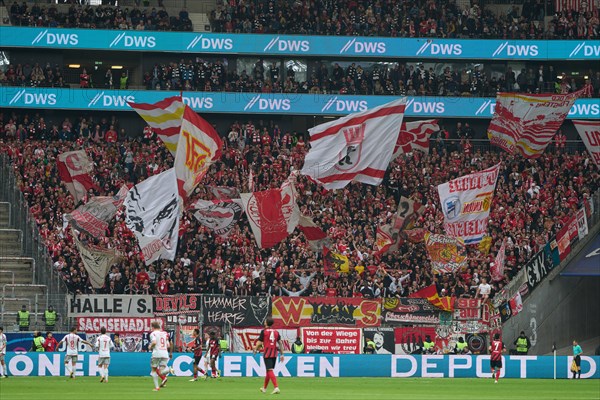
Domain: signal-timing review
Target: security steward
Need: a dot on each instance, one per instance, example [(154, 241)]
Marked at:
[(298, 346), (370, 346), (523, 344), (428, 345), (223, 345), (461, 346), (38, 342), (23, 318), (50, 318)]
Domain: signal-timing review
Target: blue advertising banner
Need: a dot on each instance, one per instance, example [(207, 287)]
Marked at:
[(22, 341), (273, 45), (262, 103), (244, 365)]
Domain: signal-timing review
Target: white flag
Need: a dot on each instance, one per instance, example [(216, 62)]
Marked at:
[(96, 261), (415, 136), (152, 213), (466, 203), (590, 135), (357, 147)]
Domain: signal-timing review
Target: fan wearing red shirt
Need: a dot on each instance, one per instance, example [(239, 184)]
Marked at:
[(269, 341), (496, 349)]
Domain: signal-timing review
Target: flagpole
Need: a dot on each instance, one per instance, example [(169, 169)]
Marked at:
[(554, 351)]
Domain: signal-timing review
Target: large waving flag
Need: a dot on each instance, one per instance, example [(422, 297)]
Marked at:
[(199, 146), (526, 123), (97, 261), (466, 203), (93, 216), (357, 147), (273, 214), (152, 213), (497, 267), (430, 293), (335, 262), (415, 136), (316, 237), (589, 131), (448, 254), (74, 169), (164, 118)]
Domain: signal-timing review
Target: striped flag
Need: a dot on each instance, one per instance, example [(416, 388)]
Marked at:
[(589, 131), (430, 293), (314, 235), (577, 5), (525, 124), (415, 136), (357, 147), (164, 118)]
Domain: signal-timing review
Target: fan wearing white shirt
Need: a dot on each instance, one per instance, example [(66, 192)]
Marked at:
[(162, 350), (483, 290), (104, 343), (72, 341)]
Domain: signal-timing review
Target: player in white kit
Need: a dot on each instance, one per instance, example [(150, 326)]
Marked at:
[(104, 343), (162, 350), (72, 341), (3, 371)]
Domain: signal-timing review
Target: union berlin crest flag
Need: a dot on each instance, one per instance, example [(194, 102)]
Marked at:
[(525, 124), (466, 203), (199, 146), (74, 168), (357, 147)]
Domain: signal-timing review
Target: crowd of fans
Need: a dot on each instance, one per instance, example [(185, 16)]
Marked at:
[(99, 17), (414, 18), (412, 79), (533, 199)]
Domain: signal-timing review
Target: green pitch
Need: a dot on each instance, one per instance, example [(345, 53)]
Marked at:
[(134, 388)]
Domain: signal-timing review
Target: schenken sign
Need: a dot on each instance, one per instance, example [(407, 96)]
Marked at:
[(110, 305)]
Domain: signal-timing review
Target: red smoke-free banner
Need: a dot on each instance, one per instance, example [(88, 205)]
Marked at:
[(334, 311), (332, 340)]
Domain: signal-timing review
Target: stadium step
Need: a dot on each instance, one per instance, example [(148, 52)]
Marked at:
[(200, 22), (9, 320), (4, 214), (29, 291), (10, 242), (16, 270)]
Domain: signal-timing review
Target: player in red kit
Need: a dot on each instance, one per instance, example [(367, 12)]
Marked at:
[(270, 342), (213, 353), (496, 349), (196, 347)]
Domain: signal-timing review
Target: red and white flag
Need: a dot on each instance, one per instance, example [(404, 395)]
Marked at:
[(74, 169), (199, 146), (589, 131), (251, 180), (516, 304), (315, 235), (224, 192), (415, 136), (164, 118), (525, 124), (357, 147), (497, 267), (273, 214), (220, 216)]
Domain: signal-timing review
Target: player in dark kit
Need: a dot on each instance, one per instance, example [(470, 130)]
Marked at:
[(213, 353), (196, 347), (270, 342), (496, 349)]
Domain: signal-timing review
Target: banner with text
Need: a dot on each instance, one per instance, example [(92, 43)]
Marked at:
[(332, 340), (235, 311), (243, 339), (116, 305), (409, 311), (305, 311), (177, 304), (93, 324)]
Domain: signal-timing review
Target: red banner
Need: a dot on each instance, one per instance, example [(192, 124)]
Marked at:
[(467, 310), (243, 339), (116, 325), (306, 311), (332, 340)]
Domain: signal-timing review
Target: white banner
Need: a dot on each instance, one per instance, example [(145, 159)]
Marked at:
[(117, 325), (582, 225), (466, 203), (243, 339), (110, 305), (589, 131), (357, 147), (152, 213)]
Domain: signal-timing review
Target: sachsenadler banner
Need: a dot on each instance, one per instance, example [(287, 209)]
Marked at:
[(409, 311), (305, 311), (117, 325), (116, 305)]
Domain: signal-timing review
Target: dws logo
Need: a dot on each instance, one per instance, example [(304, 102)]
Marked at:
[(345, 105), (111, 100), (56, 38), (585, 110), (516, 50), (39, 99), (440, 49), (211, 43), (204, 103), (288, 45), (268, 104), (136, 41), (486, 108), (425, 107), (361, 46), (587, 50)]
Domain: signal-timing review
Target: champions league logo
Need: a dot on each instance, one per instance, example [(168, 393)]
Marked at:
[(349, 157)]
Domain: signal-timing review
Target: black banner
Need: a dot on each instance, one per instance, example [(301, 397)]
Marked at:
[(537, 268), (409, 311), (235, 311), (177, 304), (384, 339)]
